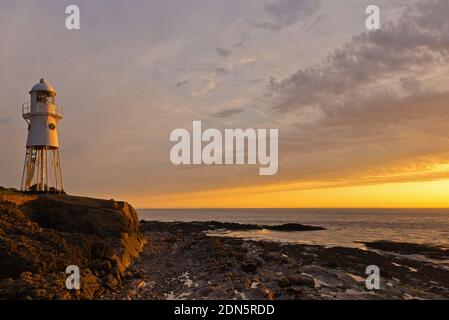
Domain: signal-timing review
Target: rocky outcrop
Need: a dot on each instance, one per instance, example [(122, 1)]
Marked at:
[(41, 235), (216, 225)]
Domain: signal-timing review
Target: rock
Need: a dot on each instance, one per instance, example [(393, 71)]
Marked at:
[(258, 291), (247, 283), (284, 282), (206, 291), (195, 227), (141, 285), (269, 257), (249, 267), (267, 293), (330, 264), (138, 274), (297, 280), (294, 292), (218, 295), (432, 251), (293, 227), (42, 234), (201, 284)]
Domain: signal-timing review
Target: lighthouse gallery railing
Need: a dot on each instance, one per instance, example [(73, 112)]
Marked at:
[(42, 108)]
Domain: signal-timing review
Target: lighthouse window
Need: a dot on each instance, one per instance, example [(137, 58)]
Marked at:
[(52, 126), (41, 97), (44, 97)]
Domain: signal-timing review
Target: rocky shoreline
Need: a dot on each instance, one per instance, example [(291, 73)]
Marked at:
[(41, 235), (122, 258), (181, 261)]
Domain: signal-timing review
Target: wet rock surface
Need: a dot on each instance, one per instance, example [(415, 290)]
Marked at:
[(41, 235), (181, 262), (430, 251)]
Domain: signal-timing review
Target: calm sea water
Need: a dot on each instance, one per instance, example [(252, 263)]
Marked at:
[(345, 227)]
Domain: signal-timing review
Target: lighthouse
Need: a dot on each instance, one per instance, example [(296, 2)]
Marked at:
[(42, 168)]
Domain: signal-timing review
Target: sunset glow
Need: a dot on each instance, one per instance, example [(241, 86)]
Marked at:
[(363, 118), (428, 194)]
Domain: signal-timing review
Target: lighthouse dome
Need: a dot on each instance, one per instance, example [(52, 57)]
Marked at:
[(43, 85)]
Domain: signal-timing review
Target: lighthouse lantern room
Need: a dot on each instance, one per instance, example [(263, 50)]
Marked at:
[(42, 167)]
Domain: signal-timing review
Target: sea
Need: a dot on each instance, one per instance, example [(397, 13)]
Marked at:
[(344, 227)]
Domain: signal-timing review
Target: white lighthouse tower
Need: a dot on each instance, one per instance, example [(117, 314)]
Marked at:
[(42, 167)]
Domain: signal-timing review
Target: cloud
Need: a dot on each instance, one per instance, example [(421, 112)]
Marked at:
[(376, 97), (284, 13), (377, 118), (182, 83), (246, 60), (218, 69), (206, 87), (240, 44), (224, 53), (410, 84), (227, 112), (414, 44)]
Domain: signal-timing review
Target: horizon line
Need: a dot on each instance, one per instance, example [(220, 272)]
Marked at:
[(297, 208)]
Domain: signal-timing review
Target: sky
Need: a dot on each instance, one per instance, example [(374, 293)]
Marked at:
[(363, 116)]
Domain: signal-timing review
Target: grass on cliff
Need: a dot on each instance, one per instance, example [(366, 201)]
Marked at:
[(4, 190)]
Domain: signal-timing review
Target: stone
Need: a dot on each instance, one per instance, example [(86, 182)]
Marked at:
[(296, 280), (249, 267)]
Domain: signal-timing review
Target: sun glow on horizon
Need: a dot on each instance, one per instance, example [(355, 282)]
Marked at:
[(421, 194)]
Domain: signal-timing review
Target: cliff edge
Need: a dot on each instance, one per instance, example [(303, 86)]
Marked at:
[(40, 235)]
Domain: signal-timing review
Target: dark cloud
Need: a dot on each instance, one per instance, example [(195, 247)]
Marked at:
[(224, 53), (284, 13), (244, 39), (227, 112), (415, 43), (182, 83)]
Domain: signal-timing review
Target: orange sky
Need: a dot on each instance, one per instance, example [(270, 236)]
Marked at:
[(363, 116), (427, 194), (416, 183)]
